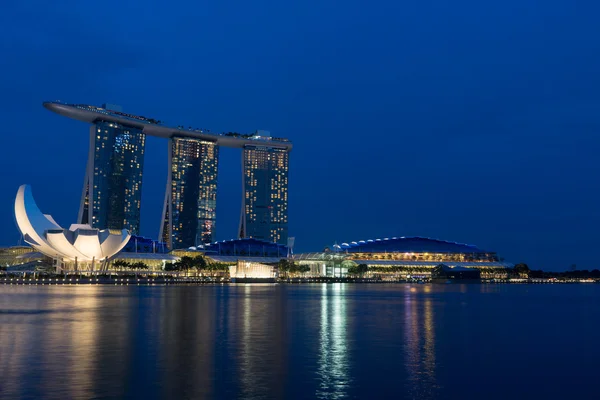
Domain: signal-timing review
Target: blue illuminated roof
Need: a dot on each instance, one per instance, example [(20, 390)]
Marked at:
[(409, 245), (247, 247)]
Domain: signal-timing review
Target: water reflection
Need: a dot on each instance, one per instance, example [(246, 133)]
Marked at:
[(58, 348), (333, 347), (183, 345), (257, 343), (419, 339), (80, 332), (225, 342), (277, 341)]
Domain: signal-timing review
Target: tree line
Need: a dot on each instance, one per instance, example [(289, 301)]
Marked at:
[(122, 264), (285, 267), (359, 269), (185, 263), (197, 263), (573, 273)]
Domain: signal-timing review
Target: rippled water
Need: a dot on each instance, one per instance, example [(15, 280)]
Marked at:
[(328, 341)]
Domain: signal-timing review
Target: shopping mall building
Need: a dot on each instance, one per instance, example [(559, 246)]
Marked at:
[(403, 258)]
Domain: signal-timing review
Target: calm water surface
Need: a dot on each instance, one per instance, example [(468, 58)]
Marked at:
[(328, 341)]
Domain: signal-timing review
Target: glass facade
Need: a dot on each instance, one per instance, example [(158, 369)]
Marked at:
[(111, 197), (140, 244), (113, 186), (247, 247), (189, 215), (265, 194), (436, 257)]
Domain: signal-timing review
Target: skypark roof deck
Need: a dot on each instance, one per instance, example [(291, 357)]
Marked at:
[(152, 127)]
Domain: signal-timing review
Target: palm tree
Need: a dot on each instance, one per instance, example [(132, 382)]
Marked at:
[(199, 263), (362, 269), (120, 264), (139, 265)]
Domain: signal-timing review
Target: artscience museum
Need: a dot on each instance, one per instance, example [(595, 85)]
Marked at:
[(79, 247)]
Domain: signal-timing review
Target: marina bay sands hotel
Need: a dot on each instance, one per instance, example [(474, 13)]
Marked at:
[(112, 189)]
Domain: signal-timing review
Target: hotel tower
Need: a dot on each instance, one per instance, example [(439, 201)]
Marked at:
[(190, 209), (265, 193), (112, 189)]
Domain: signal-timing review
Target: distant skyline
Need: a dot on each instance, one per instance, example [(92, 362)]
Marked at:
[(472, 122)]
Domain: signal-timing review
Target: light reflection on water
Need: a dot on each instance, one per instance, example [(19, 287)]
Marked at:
[(333, 352), (328, 341), (419, 339)]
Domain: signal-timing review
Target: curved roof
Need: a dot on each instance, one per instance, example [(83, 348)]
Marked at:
[(32, 222), (408, 245), (149, 126)]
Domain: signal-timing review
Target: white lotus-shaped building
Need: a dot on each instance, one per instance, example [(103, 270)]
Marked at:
[(79, 243)]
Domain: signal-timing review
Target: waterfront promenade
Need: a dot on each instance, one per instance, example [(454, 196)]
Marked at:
[(163, 278)]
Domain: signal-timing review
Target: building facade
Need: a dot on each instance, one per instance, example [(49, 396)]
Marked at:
[(404, 257), (112, 189), (112, 192), (247, 247), (17, 255), (68, 248), (265, 194), (189, 213)]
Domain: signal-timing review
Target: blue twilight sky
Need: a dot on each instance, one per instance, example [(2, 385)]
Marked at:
[(473, 121)]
